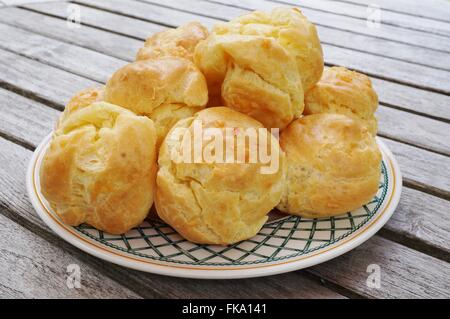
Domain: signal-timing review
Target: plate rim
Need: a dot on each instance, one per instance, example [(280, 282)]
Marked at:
[(216, 272)]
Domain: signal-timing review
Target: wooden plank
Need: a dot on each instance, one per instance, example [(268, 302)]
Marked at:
[(418, 165), (433, 9), (328, 35), (148, 12), (48, 83), (405, 273), (31, 267), (25, 120), (412, 99), (59, 86), (429, 133), (293, 293), (387, 17), (414, 129), (354, 25), (422, 168), (13, 196), (72, 58), (392, 94), (421, 222), (101, 19), (95, 39), (387, 254), (386, 68), (385, 48), (36, 123)]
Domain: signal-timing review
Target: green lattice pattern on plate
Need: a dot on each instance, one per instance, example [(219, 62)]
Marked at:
[(283, 238)]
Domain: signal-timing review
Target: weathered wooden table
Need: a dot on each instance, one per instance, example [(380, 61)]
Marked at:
[(404, 45)]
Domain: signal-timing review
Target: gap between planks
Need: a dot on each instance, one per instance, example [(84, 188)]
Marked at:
[(54, 45), (39, 121), (424, 84), (431, 129), (427, 266), (394, 6), (383, 103), (146, 285), (311, 13)]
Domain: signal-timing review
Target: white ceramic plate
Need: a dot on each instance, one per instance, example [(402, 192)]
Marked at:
[(285, 243)]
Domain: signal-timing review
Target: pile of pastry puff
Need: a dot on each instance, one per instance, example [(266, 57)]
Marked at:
[(111, 156)]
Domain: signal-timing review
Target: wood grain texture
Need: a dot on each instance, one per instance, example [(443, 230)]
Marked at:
[(31, 267), (423, 167), (405, 273), (29, 121), (84, 36), (288, 285), (65, 56), (386, 68), (328, 35), (100, 19), (14, 200), (59, 85), (410, 225), (392, 94), (351, 24), (41, 80), (57, 60), (429, 26), (421, 222), (412, 99), (428, 133), (433, 9), (149, 12)]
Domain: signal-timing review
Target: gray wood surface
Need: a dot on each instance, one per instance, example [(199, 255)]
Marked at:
[(404, 272), (31, 267), (43, 62), (429, 133), (347, 23), (291, 285), (327, 35), (404, 232), (13, 197), (392, 94), (84, 36), (403, 72), (430, 26), (68, 83), (433, 9)]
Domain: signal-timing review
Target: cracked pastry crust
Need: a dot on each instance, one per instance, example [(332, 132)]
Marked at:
[(100, 168), (254, 75), (179, 42), (81, 100), (214, 203), (292, 30), (345, 92), (334, 166), (165, 89)]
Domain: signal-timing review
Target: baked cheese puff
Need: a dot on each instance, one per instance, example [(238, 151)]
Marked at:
[(334, 166), (180, 42), (164, 89), (254, 75), (220, 199), (81, 100), (345, 92), (292, 30), (100, 168)]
